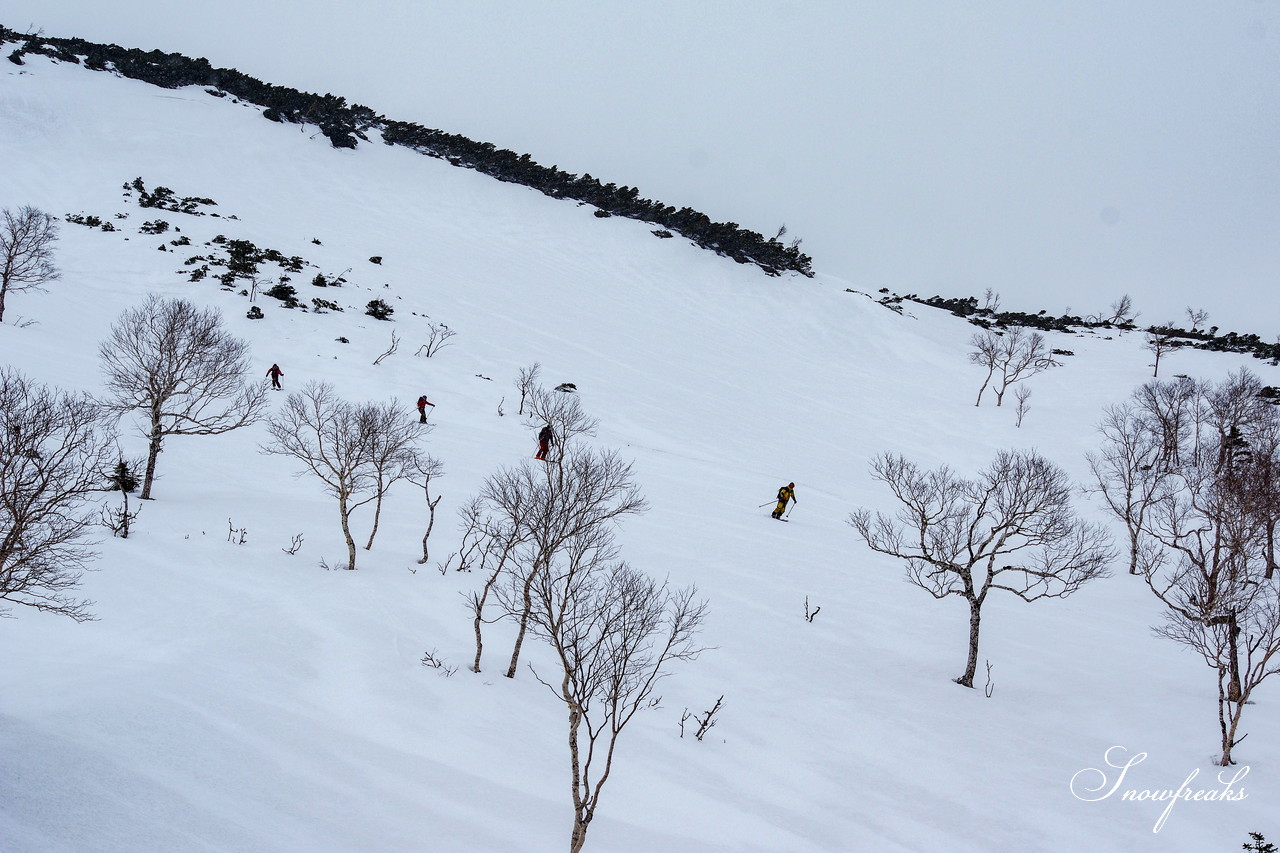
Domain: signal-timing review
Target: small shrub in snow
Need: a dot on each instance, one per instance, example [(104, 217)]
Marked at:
[(379, 310), (433, 660), (437, 339), (706, 722), (121, 478), (286, 293), (810, 614), (86, 219), (237, 535), (120, 520)]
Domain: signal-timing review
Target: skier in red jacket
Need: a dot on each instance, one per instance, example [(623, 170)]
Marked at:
[(275, 373), (546, 438), (423, 402)]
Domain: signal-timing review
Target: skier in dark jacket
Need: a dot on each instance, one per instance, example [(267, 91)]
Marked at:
[(423, 402), (275, 373), (546, 438), (786, 493)]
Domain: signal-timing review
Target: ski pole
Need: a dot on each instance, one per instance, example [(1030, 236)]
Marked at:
[(765, 504)]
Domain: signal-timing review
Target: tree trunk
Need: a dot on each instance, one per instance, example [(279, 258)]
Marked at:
[(1271, 547), (124, 516), (157, 438), (431, 522), (377, 514), (479, 605), (975, 622), (582, 810), (984, 387), (1228, 721), (4, 290), (1133, 550), (524, 621), (579, 836), (1233, 688), (524, 624), (346, 531)]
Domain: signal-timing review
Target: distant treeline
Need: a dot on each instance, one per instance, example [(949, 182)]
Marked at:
[(1211, 340), (346, 124)]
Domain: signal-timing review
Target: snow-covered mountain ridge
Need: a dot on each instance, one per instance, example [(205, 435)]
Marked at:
[(234, 697), (345, 126)]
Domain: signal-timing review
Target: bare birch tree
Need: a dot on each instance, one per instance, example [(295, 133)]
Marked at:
[(176, 364), (615, 632), (1197, 317), (526, 382), (1022, 394), (26, 251), (1172, 411), (54, 447), (1012, 529), (343, 445), (1208, 548), (393, 456), (1122, 313), (491, 536), (985, 353), (425, 469), (525, 515), (1009, 358), (1159, 341), (1204, 566), (585, 490), (1129, 472)]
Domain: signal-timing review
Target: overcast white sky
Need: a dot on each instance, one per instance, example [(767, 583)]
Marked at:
[(1061, 153)]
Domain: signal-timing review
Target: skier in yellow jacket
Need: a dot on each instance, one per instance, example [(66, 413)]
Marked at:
[(786, 493)]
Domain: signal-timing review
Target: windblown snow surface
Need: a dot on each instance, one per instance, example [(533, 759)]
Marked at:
[(232, 697)]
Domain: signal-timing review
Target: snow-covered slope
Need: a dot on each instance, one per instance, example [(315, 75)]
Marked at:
[(234, 697)]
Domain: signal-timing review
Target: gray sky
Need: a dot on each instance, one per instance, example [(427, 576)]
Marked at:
[(1060, 153)]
